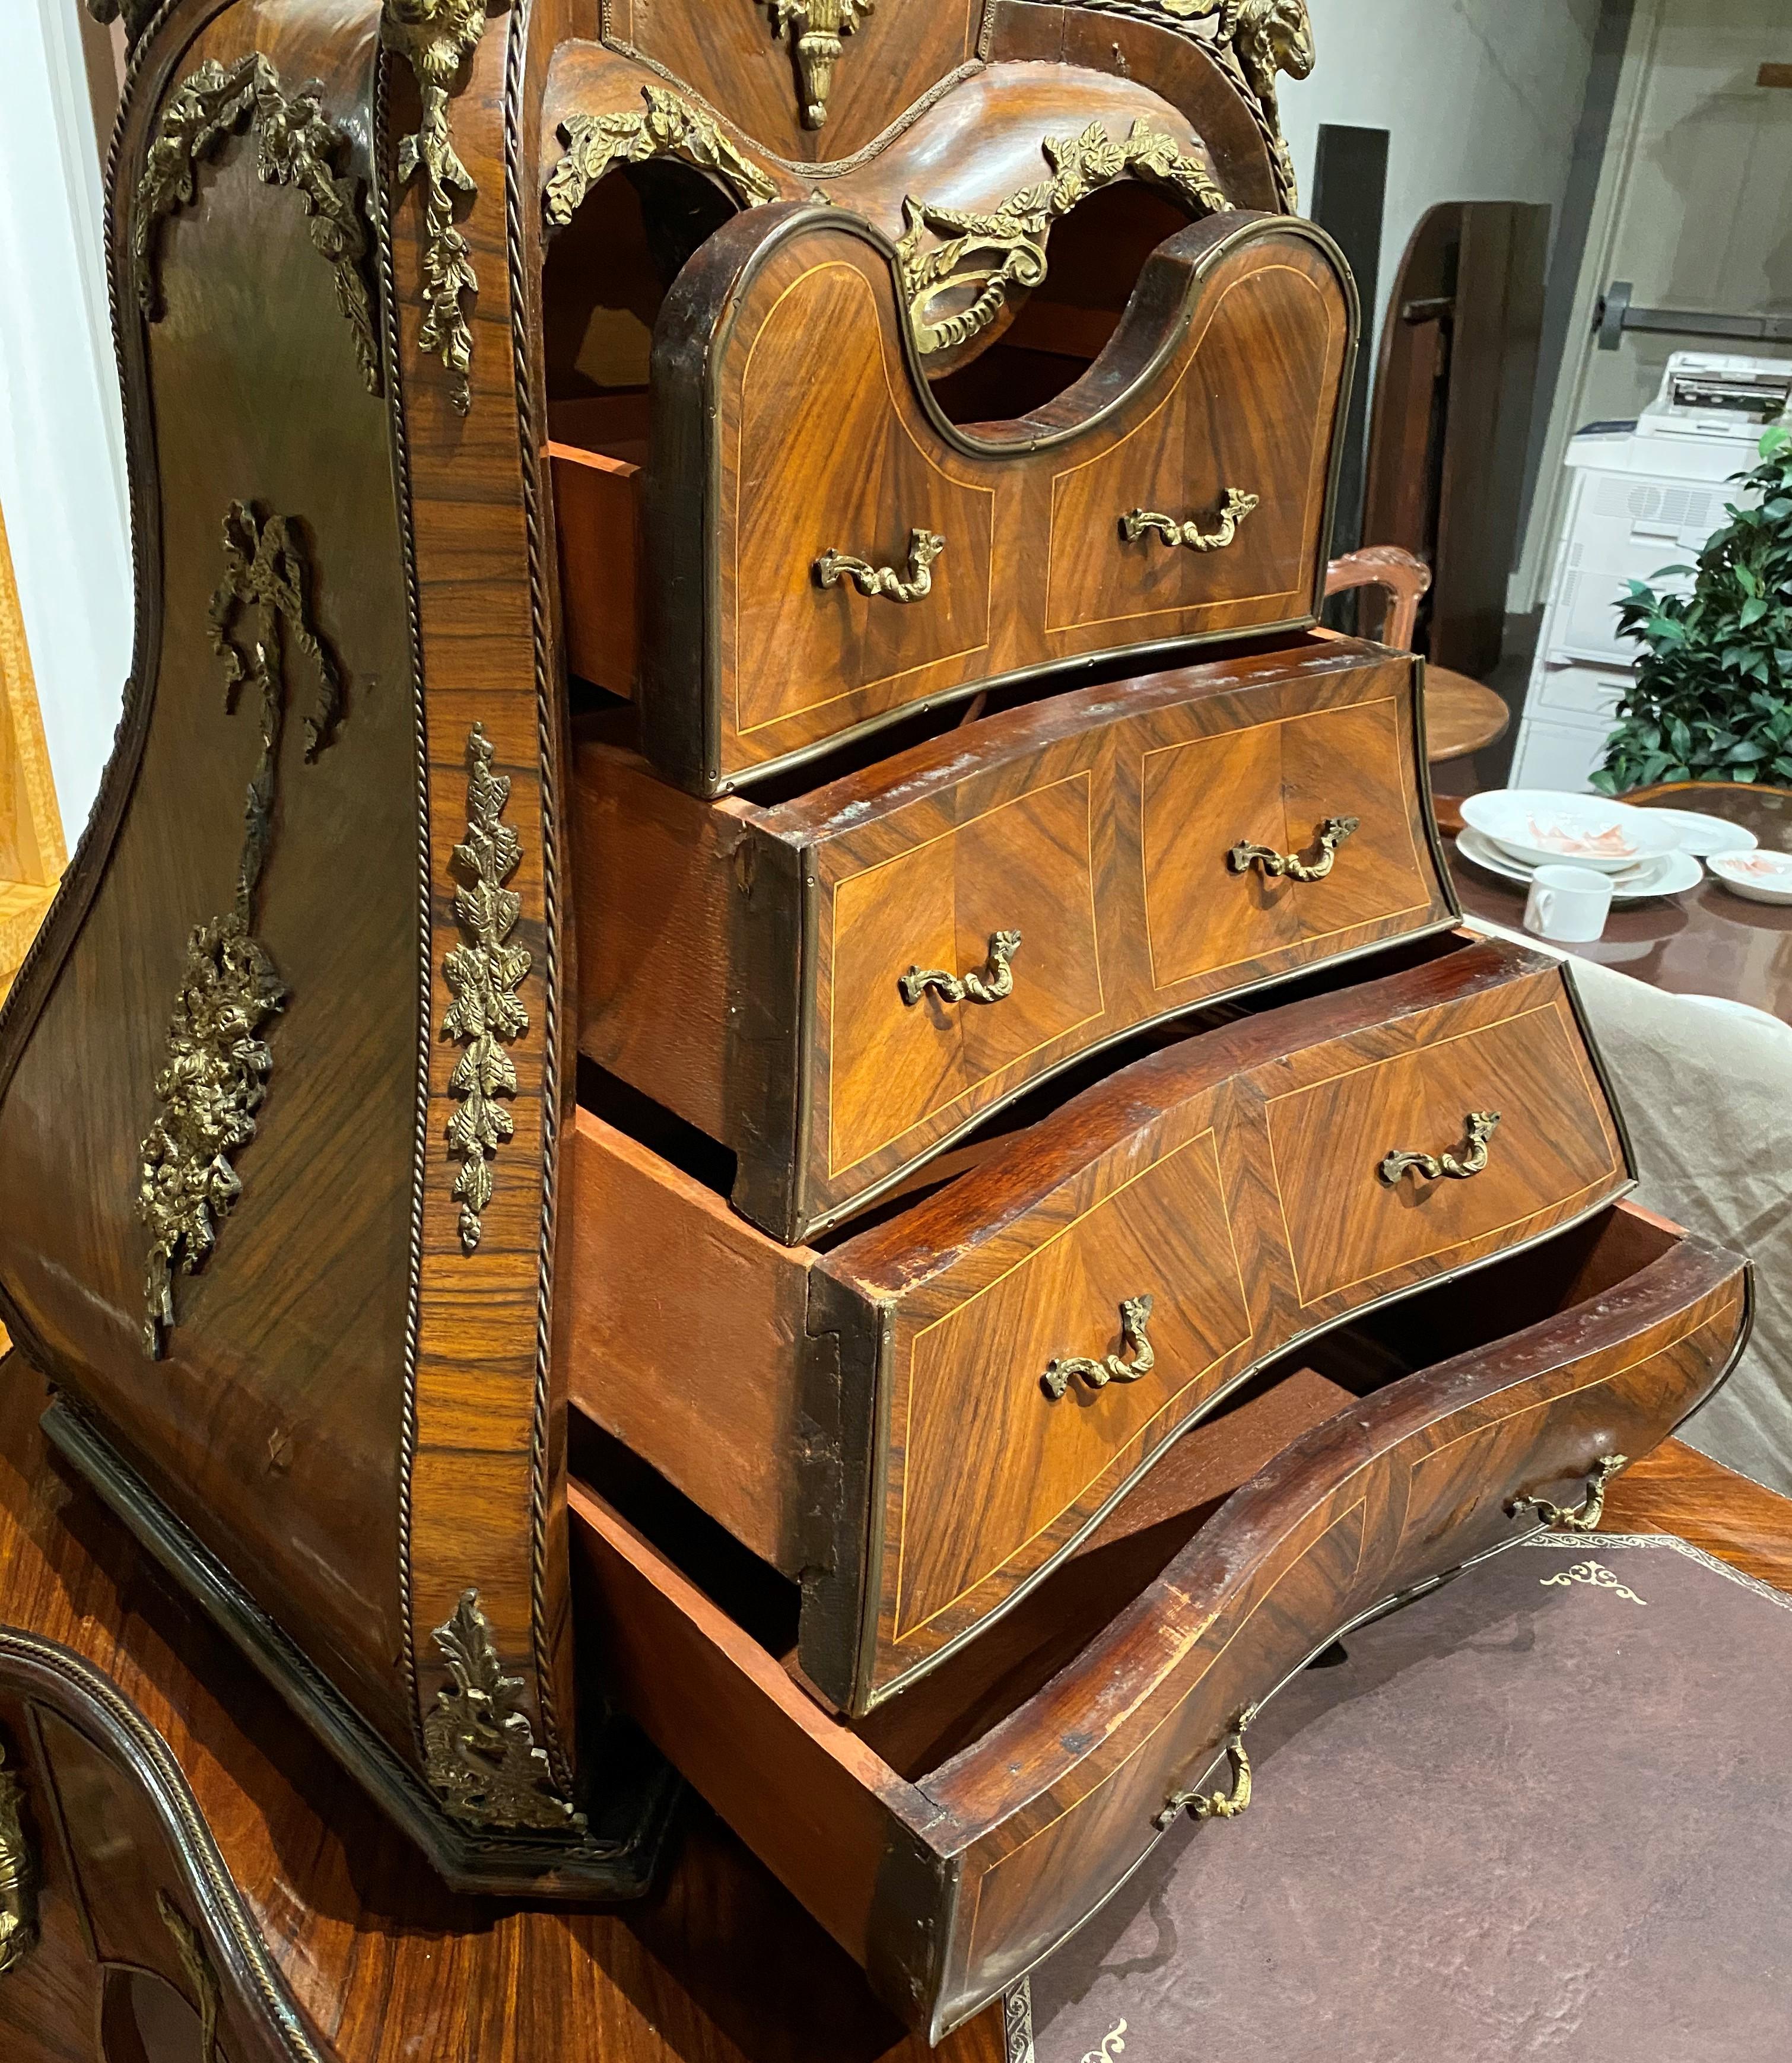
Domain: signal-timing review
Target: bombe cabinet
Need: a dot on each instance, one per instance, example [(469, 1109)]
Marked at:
[(760, 1071)]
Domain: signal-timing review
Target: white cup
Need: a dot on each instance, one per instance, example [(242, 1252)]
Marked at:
[(1570, 903)]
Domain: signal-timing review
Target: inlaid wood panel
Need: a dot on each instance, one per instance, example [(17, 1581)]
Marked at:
[(1025, 865), (1410, 1089), (791, 418), (1226, 425), (743, 966), (1275, 786), (950, 1882)]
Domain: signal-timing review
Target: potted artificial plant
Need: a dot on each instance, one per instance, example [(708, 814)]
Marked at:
[(1713, 697)]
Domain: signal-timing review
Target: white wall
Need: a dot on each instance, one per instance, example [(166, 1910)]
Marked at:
[(61, 436), (1481, 98)]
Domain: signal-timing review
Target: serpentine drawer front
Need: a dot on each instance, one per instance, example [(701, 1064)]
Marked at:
[(940, 1407), (822, 551), (948, 1866), (836, 986)]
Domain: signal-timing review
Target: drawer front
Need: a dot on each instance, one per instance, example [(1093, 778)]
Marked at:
[(1018, 1348), (1214, 501), (815, 389), (1027, 866), (823, 552), (1096, 832), (1402, 1489), (1334, 1117), (1274, 786)]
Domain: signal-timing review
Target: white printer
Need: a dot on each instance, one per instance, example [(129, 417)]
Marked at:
[(1646, 495)]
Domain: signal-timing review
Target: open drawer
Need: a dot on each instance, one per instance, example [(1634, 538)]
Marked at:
[(920, 1420), (953, 1840), (778, 540), (836, 986)]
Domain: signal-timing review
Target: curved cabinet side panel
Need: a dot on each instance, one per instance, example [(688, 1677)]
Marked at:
[(267, 1417)]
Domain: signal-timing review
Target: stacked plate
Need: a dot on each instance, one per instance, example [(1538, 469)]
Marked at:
[(1513, 831)]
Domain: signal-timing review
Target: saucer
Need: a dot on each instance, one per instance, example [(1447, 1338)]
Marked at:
[(1672, 875), (1708, 836), (1762, 877)]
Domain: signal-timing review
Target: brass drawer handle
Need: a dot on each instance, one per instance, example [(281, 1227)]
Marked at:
[(1135, 1315), (1586, 1517), (1232, 511), (1479, 1125), (19, 1874), (890, 582), (1216, 1804), (1332, 833), (992, 983)]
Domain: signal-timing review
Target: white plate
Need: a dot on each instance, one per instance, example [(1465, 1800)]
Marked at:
[(1763, 877), (1729, 1003), (1672, 875), (1709, 835), (1540, 825)]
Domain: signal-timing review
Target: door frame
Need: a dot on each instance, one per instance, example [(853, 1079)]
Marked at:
[(1530, 581)]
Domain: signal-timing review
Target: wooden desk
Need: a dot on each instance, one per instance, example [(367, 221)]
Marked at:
[(1706, 943)]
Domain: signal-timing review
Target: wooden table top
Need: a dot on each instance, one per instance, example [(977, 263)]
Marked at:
[(1705, 943), (1461, 716)]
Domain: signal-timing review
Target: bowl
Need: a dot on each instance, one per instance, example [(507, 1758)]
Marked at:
[(1540, 825), (1762, 877)]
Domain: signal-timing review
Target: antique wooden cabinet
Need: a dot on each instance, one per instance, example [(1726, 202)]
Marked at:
[(759, 1068)]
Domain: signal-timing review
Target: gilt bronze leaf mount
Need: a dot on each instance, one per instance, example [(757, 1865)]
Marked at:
[(216, 1065)]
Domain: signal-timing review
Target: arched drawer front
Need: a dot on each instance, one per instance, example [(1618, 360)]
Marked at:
[(1423, 1478), (823, 552)]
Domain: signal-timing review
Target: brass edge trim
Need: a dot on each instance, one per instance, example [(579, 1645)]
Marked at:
[(1434, 838), (986, 1619), (807, 1229), (537, 509), (495, 1860), (1601, 1073), (70, 1685), (379, 206)]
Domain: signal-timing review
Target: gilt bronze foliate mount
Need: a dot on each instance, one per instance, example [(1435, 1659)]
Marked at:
[(18, 1873)]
